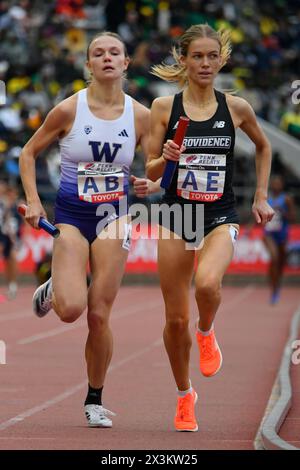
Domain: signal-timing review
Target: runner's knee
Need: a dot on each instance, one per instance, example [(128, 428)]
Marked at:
[(177, 324), (97, 321), (69, 312), (207, 287), (100, 304)]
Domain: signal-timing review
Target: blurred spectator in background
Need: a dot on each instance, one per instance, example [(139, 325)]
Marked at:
[(276, 233), (290, 122), (42, 55), (10, 232)]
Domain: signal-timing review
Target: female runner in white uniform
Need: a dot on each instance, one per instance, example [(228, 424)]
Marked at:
[(98, 129)]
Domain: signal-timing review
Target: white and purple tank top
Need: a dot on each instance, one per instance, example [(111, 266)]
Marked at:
[(96, 154)]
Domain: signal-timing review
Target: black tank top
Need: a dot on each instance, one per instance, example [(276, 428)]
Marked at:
[(205, 171)]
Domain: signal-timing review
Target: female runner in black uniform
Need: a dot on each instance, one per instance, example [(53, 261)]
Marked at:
[(203, 176)]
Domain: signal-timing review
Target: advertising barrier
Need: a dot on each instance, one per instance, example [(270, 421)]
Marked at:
[(250, 255)]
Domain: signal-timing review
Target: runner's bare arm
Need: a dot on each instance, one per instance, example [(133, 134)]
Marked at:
[(142, 125), (142, 186), (160, 112), (53, 127), (261, 209)]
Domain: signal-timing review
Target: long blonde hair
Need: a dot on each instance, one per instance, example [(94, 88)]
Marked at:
[(177, 72)]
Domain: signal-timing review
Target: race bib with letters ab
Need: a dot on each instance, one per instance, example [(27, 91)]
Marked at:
[(201, 177), (100, 182)]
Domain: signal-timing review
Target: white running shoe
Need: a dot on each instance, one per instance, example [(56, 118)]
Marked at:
[(42, 299), (97, 416)]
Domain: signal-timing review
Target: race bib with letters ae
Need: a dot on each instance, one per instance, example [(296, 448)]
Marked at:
[(100, 182), (201, 177)]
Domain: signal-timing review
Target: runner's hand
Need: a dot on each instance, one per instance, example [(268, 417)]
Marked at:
[(142, 186), (262, 211), (172, 151), (34, 211)]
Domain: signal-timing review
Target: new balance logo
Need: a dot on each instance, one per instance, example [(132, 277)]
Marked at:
[(123, 133), (219, 124), (219, 220)]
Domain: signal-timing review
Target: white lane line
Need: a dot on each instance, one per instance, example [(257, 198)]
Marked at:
[(238, 298), (4, 317), (133, 356), (243, 293), (65, 328), (280, 401), (14, 438), (43, 406), (71, 391), (131, 310), (15, 316), (50, 333), (246, 291)]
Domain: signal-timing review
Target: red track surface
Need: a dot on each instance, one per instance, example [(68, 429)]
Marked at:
[(43, 384)]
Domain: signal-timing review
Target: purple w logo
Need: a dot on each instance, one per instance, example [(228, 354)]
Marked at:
[(106, 152)]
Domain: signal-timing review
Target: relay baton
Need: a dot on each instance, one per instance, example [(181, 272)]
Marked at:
[(43, 223), (171, 165)]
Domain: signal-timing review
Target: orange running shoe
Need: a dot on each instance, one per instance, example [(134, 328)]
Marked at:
[(185, 415), (210, 354)]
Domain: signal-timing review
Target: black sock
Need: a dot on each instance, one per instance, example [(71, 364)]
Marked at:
[(94, 396)]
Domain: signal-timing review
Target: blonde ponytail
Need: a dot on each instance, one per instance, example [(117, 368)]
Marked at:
[(171, 73), (226, 47), (177, 71)]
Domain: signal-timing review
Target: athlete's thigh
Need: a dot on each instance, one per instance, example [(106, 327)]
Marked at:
[(217, 251), (108, 258), (282, 252), (69, 266), (175, 267), (271, 246)]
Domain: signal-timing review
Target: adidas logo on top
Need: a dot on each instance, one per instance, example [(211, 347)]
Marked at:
[(123, 133)]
